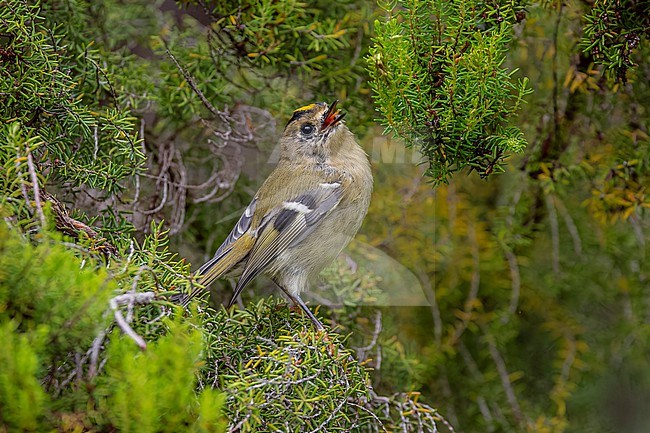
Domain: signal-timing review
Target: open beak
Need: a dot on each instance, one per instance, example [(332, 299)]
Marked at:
[(332, 117)]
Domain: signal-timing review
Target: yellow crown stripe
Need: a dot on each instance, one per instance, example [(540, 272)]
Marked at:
[(305, 108)]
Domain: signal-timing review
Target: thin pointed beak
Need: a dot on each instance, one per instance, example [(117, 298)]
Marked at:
[(332, 117)]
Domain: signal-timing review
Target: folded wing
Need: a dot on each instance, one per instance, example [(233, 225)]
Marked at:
[(287, 225)]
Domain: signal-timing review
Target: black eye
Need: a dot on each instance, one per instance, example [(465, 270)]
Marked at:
[(307, 129)]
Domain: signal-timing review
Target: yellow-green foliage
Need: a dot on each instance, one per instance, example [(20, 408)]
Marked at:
[(49, 307), (33, 53), (438, 77), (52, 309), (45, 290), (279, 375), (22, 400), (536, 280), (154, 390)]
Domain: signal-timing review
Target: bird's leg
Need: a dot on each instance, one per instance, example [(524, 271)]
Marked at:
[(319, 326), (299, 302)]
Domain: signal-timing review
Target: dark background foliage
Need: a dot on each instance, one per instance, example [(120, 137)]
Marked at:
[(500, 277)]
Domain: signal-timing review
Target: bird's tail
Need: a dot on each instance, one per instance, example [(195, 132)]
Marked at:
[(216, 267), (209, 272)]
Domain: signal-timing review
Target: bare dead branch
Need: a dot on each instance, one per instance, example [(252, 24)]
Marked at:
[(570, 225), (94, 354), (515, 284), (73, 227), (126, 299), (37, 196), (555, 233), (361, 351), (474, 285), (502, 369), (190, 80)]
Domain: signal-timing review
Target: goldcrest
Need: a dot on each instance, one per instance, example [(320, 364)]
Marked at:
[(306, 211)]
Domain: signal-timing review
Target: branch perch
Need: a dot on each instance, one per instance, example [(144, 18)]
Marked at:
[(72, 227), (127, 299)]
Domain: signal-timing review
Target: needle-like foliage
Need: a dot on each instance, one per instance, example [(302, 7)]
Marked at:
[(440, 83)]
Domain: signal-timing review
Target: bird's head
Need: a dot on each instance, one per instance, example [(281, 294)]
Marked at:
[(315, 129)]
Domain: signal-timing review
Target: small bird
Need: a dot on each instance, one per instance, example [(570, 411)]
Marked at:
[(306, 211)]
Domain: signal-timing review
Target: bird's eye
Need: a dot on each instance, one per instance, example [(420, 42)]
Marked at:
[(307, 129)]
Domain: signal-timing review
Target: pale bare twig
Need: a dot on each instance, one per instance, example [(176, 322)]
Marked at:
[(334, 412), (435, 310), (190, 80), (414, 416), (125, 299), (371, 413), (502, 369), (474, 284), (473, 368), (446, 423), (515, 283), (570, 225), (237, 427), (361, 351), (94, 354), (96, 142), (163, 200), (555, 234), (35, 188), (136, 194)]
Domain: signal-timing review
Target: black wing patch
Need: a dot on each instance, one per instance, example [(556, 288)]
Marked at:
[(291, 209)]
